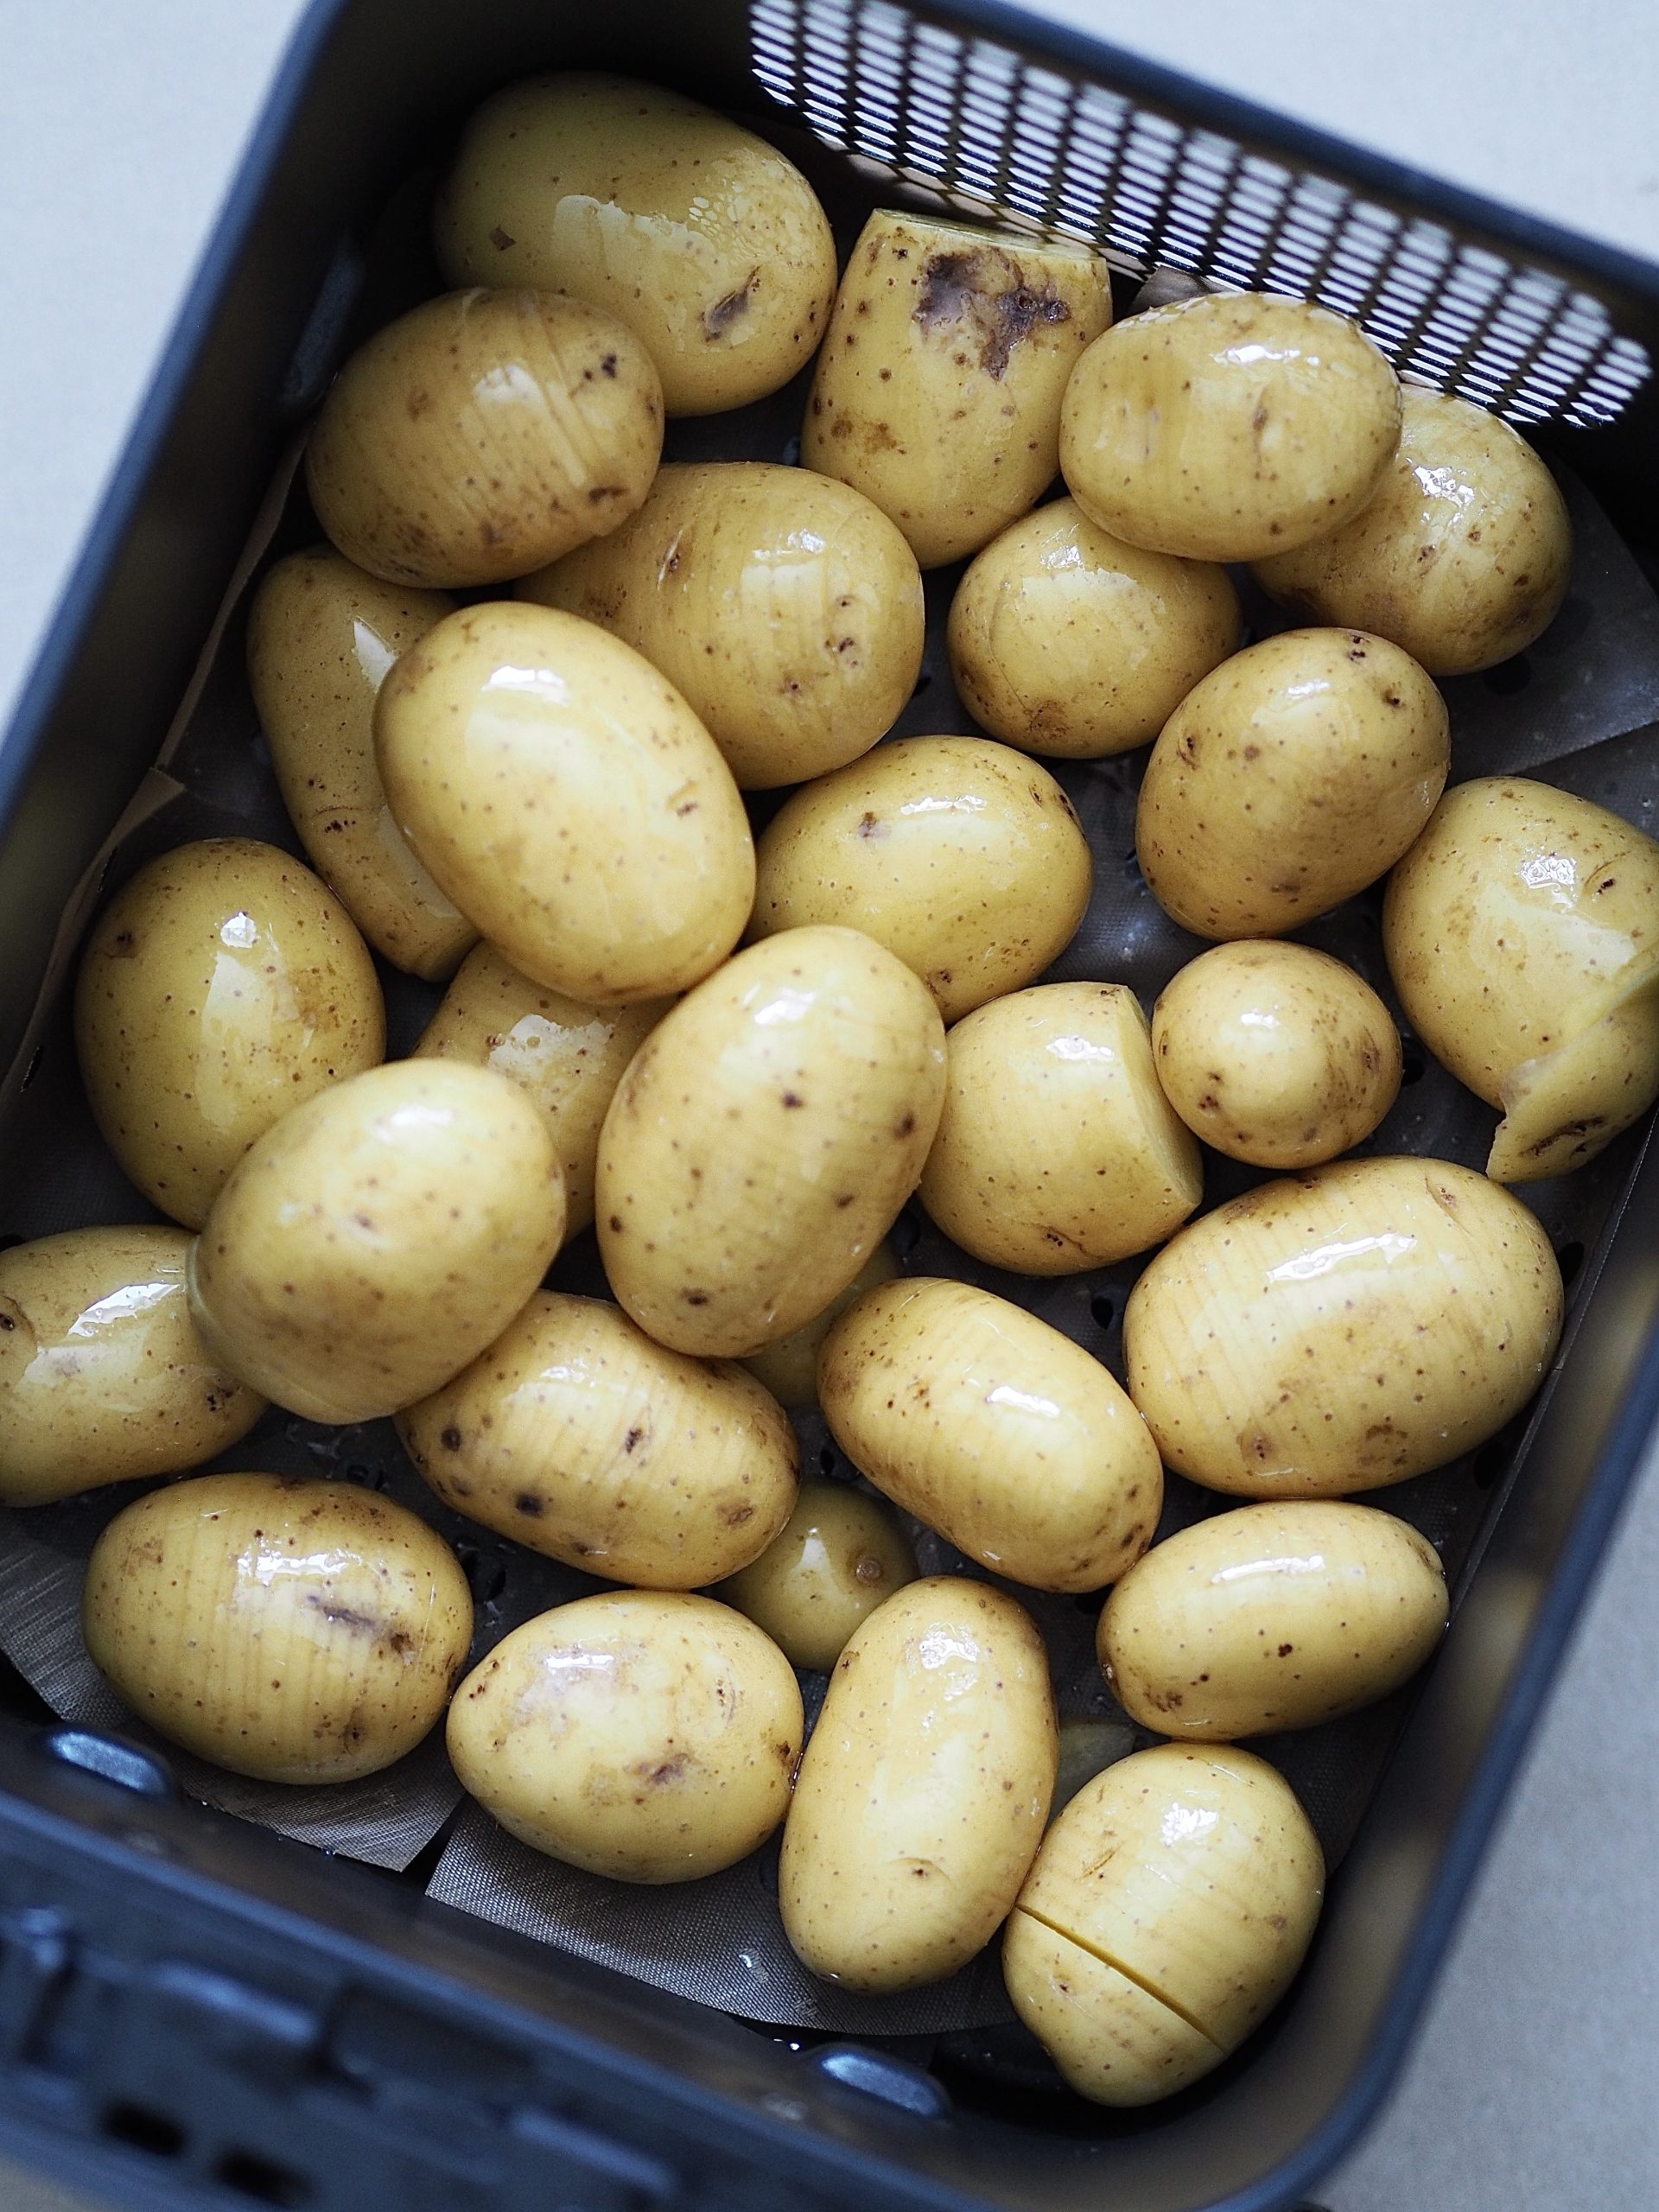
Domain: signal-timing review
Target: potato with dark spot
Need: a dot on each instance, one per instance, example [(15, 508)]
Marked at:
[(584, 1440), (789, 1369), (1290, 778), (937, 392), (839, 1555), (1228, 426), (483, 434), (1274, 1053), (642, 1735), (923, 1793), (294, 1631)]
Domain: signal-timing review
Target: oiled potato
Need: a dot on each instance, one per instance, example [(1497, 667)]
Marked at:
[(764, 1138), (220, 988), (1170, 1906), (1522, 931), (102, 1374), (644, 1734), (937, 393), (482, 435), (1274, 1053), (995, 1429), (789, 1369), (699, 236), (839, 1555), (577, 1435), (568, 800), (1356, 1325), (565, 1056), (296, 1631), (1067, 641), (964, 858), (923, 1793), (1289, 779), (1462, 554), (1057, 1150), (1271, 1617), (1228, 426), (378, 1239), (784, 607)]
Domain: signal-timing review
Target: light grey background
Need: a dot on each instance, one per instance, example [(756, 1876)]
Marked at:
[(1533, 2083)]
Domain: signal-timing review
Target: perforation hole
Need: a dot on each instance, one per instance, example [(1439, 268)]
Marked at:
[(141, 2129), (261, 2179)]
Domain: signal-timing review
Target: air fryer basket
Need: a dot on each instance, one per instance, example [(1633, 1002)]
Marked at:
[(185, 2000)]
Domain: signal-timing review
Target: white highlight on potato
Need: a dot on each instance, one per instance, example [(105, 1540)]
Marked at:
[(1022, 1401), (1308, 1267), (241, 933), (107, 1312)]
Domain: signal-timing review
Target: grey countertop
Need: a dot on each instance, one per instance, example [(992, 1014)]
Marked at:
[(1531, 2085)]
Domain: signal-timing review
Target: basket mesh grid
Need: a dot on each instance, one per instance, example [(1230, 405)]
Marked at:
[(996, 135)]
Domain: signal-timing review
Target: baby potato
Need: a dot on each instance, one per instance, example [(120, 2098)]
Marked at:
[(296, 1631), (1271, 1617), (377, 1239), (568, 800), (701, 237), (1290, 778), (579, 1436), (1228, 426), (1352, 1326), (964, 858), (321, 635), (1057, 1150), (995, 1429), (923, 1792), (1462, 554), (1171, 1905), (764, 1138), (642, 1735), (482, 435), (789, 1369), (1274, 1053), (221, 987), (1522, 931), (937, 392), (1067, 641), (102, 1375), (783, 607), (566, 1057), (839, 1555)]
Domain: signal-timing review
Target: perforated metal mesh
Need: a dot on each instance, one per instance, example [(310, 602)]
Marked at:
[(996, 135)]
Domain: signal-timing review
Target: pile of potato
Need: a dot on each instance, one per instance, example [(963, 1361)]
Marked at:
[(738, 1058)]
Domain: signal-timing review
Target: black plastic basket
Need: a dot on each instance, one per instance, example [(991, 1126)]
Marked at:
[(192, 2010)]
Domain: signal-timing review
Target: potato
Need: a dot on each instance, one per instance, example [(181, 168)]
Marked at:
[(995, 1429), (576, 1434), (964, 858), (789, 1369), (482, 435), (1522, 932), (696, 234), (376, 1240), (1064, 640), (937, 392), (566, 1057), (923, 1792), (296, 1631), (568, 800), (1462, 554), (1169, 1908), (221, 987), (1352, 1326), (839, 1555), (102, 1375), (1057, 1151), (1271, 1617), (1295, 775), (785, 606), (642, 1735), (1227, 427), (321, 635), (1274, 1053), (763, 1139)]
